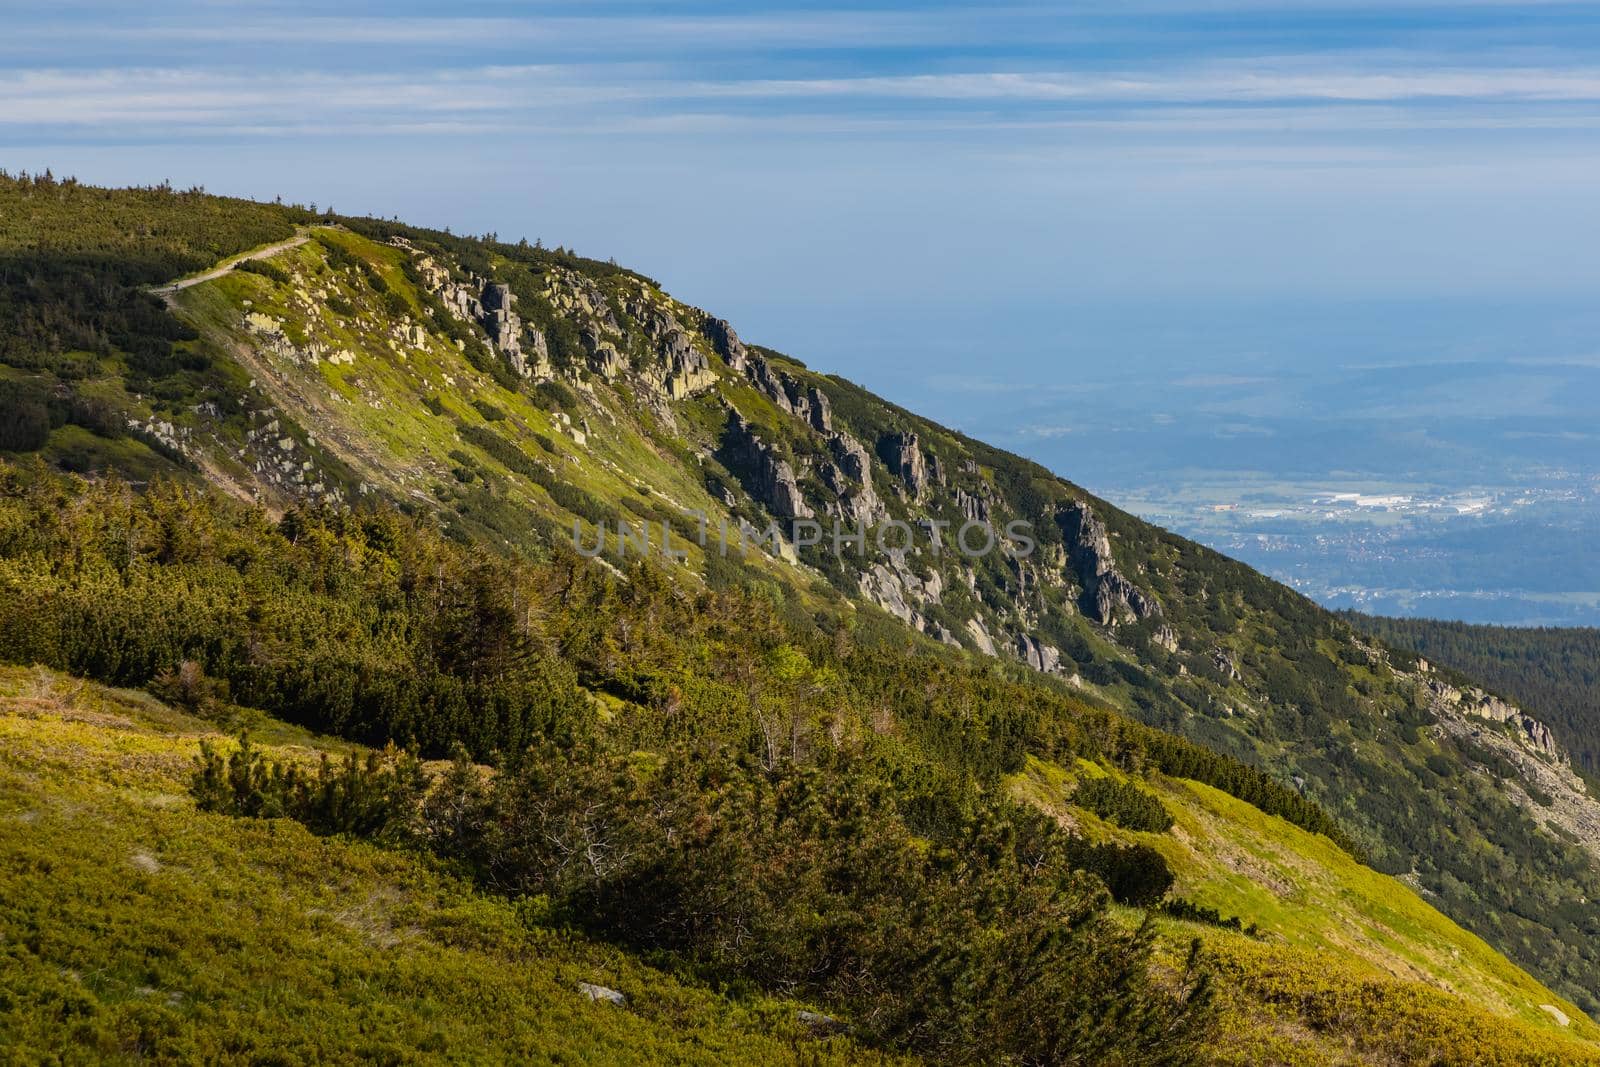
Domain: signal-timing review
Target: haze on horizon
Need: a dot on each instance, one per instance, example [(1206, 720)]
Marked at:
[(1119, 237)]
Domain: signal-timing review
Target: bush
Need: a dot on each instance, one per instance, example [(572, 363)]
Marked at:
[(1124, 804), (187, 687), (489, 411), (1135, 874), (24, 419), (377, 797), (264, 268)]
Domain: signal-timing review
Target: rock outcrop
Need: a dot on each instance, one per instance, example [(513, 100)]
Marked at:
[(768, 476), (902, 454), (1480, 704), (1038, 655), (502, 324), (850, 476), (727, 344), (1109, 598), (900, 591)]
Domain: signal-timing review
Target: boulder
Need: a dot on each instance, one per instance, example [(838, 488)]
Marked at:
[(821, 410), (980, 636), (602, 995), (1036, 654)]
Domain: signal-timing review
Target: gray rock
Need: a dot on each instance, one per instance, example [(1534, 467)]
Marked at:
[(1109, 598), (1036, 654), (770, 478), (980, 636), (902, 453), (819, 1024), (1166, 637), (727, 344), (973, 507), (602, 995), (859, 503), (821, 410), (1223, 662)]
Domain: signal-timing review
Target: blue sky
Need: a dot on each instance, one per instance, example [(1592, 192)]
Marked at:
[(938, 195)]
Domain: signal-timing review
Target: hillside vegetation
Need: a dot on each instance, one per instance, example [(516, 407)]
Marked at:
[(419, 428), (134, 928), (1554, 672), (854, 800)]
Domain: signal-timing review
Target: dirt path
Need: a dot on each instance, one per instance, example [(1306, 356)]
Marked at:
[(228, 264)]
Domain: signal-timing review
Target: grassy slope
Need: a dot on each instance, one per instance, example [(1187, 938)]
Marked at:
[(133, 927), (1351, 963), (372, 412), (616, 463)]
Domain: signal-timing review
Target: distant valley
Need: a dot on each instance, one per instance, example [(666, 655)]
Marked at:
[(1448, 468)]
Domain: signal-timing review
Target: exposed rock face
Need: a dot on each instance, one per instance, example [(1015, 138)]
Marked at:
[(1223, 662), (902, 453), (1565, 803), (1166, 637), (1109, 598), (980, 636), (973, 507), (770, 479), (821, 410), (503, 325), (769, 382), (897, 589), (727, 344), (1484, 705), (1036, 654), (859, 503), (682, 369)]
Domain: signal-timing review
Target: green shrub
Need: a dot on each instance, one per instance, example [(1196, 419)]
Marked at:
[(264, 268), (1124, 804)]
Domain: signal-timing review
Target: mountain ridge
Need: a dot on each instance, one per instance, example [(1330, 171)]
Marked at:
[(521, 396)]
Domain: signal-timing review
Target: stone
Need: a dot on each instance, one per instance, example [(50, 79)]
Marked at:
[(770, 478), (1109, 598), (821, 410), (1036, 654), (980, 636), (972, 506), (727, 344), (1166, 637), (859, 503), (902, 454), (821, 1025), (602, 995), (1223, 662)]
